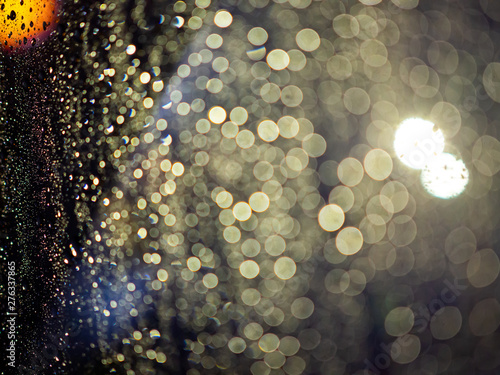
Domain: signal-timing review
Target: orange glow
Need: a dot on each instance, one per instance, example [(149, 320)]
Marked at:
[(24, 22)]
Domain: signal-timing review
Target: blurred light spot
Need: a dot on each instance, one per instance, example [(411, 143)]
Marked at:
[(445, 176), (275, 245), (237, 345), (242, 211), (331, 217), (399, 321), (285, 268), (269, 342), (223, 18), (483, 268), (142, 233), (342, 196), (145, 77), (417, 141), (194, 264), (278, 59), (349, 241), (486, 155), (210, 280), (337, 281), (257, 36), (378, 164), (302, 308), (162, 275), (405, 349), (484, 318), (446, 323), (307, 40), (350, 171), (346, 26), (249, 269), (268, 131), (224, 199), (289, 346), (238, 115), (178, 22), (217, 115), (259, 201)]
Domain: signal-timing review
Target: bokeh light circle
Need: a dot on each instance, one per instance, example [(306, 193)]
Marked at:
[(331, 217), (417, 141), (445, 176)]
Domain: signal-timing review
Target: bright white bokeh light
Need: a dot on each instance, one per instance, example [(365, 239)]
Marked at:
[(445, 176), (417, 141)]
